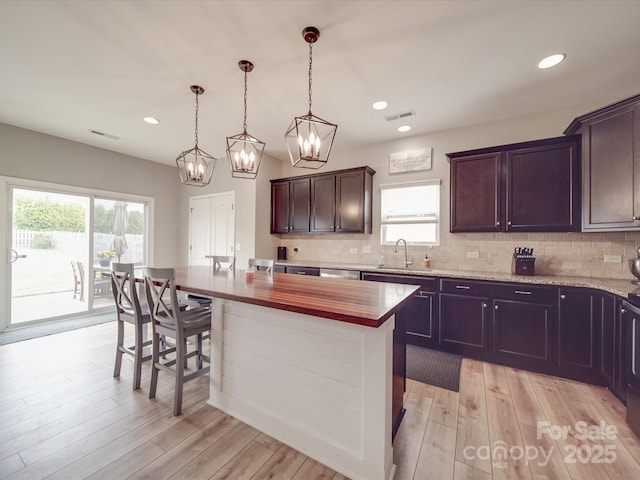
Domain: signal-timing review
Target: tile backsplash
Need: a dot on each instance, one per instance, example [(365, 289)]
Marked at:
[(573, 254)]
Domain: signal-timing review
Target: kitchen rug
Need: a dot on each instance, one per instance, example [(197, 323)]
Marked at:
[(27, 333), (441, 369)]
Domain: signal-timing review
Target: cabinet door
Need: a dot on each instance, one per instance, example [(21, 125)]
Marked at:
[(607, 315), (419, 315), (579, 335), (420, 319), (280, 207), (323, 203), (299, 206), (463, 325), (611, 155), (623, 316), (350, 201), (543, 188), (522, 335), (476, 192)]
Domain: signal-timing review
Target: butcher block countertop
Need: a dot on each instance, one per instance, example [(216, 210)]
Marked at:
[(363, 303), (615, 286)]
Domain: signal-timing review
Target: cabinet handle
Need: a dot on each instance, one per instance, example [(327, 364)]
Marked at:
[(623, 310), (463, 287), (509, 223), (523, 292), (423, 293), (497, 224), (301, 273), (563, 296), (484, 305), (496, 307), (635, 217)]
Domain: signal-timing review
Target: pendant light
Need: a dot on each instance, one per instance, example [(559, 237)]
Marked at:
[(244, 151), (195, 165), (309, 138)]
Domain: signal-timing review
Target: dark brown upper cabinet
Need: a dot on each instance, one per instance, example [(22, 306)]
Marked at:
[(522, 187), (290, 206), (338, 202), (611, 166)]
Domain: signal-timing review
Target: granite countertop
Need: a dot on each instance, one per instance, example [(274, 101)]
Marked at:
[(615, 286)]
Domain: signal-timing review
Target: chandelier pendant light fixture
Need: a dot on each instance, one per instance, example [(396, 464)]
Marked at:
[(309, 138), (243, 150), (195, 165)]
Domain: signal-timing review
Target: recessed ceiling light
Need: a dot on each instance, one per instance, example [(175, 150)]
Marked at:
[(151, 120), (552, 60), (381, 105), (404, 128)]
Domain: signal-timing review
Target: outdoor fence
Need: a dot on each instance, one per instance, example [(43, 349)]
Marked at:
[(75, 244)]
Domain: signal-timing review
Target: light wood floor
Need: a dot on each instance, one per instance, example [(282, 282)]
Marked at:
[(62, 415)]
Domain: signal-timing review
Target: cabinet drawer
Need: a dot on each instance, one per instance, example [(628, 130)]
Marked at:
[(466, 287), (314, 272), (527, 293), (427, 284)]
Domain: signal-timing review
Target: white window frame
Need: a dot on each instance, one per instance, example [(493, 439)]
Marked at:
[(433, 219)]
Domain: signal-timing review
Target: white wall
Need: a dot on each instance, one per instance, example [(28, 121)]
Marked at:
[(35, 156)]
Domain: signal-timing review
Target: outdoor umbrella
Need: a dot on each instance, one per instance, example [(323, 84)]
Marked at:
[(119, 230)]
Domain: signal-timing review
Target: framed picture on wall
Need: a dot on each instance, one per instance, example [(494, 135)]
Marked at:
[(410, 161)]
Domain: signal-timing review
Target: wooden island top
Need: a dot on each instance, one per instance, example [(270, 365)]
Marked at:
[(363, 303)]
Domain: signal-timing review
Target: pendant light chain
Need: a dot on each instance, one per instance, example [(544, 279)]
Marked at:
[(310, 64), (197, 107), (245, 101)]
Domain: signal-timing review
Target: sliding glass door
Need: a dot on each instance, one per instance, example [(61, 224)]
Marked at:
[(61, 247)]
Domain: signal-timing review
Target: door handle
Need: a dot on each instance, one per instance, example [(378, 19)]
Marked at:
[(15, 256)]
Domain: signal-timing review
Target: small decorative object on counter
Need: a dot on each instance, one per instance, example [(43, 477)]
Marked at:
[(523, 261), (634, 267), (381, 259), (427, 262), (250, 273)]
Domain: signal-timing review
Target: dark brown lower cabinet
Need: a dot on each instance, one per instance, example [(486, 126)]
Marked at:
[(579, 335), (522, 335), (607, 312), (464, 325), (419, 316)]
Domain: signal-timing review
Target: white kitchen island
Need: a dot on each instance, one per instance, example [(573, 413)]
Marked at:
[(306, 360)]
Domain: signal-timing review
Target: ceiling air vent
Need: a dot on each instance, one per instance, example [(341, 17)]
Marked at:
[(107, 135), (398, 116)]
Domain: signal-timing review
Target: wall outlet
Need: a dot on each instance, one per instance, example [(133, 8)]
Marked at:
[(474, 254), (353, 250), (295, 249), (366, 249), (237, 247), (613, 259)]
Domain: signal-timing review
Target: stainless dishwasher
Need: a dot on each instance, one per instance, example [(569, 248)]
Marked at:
[(336, 273)]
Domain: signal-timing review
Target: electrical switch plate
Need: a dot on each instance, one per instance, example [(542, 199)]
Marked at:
[(613, 258), (366, 249), (474, 254), (354, 250), (237, 247)]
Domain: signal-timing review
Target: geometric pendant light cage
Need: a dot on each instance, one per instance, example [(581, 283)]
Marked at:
[(243, 150), (195, 165), (310, 138)]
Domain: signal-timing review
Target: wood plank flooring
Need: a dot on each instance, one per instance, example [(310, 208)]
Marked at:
[(63, 416)]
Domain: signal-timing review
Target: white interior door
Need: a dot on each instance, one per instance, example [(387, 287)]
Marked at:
[(200, 231), (224, 224), (212, 227)]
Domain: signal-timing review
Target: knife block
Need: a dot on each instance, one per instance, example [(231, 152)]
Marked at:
[(523, 265)]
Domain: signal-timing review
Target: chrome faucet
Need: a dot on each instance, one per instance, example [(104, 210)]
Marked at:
[(395, 250)]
